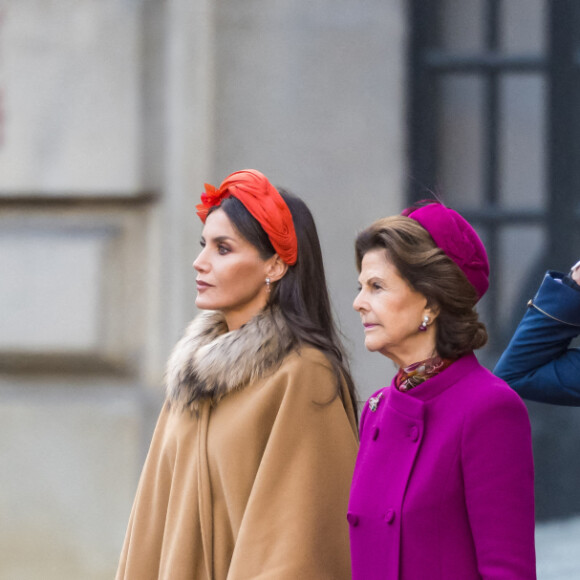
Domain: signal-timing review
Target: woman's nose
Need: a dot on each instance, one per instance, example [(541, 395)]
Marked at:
[(199, 262), (357, 303)]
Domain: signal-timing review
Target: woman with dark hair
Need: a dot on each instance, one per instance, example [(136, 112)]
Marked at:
[(250, 465), (443, 485)]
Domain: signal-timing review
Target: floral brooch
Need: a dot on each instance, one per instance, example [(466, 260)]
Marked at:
[(374, 402)]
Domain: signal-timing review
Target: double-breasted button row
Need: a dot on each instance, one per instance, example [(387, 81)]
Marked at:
[(414, 433), (390, 516)]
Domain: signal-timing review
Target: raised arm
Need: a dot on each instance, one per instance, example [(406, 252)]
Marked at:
[(538, 362)]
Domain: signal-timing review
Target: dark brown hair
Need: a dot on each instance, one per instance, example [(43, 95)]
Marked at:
[(428, 270), (301, 294)]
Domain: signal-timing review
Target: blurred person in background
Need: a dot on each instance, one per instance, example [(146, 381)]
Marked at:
[(249, 468), (443, 485), (538, 362)]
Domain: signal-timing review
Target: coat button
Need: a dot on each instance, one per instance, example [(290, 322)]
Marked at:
[(390, 516), (352, 520), (375, 433), (414, 433)]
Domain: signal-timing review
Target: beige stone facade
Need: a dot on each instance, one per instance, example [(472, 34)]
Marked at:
[(113, 114)]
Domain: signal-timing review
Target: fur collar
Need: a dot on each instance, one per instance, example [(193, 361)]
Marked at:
[(209, 362)]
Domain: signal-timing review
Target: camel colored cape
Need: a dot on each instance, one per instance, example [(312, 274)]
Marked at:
[(249, 479)]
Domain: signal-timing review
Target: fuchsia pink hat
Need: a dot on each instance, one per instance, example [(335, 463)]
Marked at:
[(454, 235)]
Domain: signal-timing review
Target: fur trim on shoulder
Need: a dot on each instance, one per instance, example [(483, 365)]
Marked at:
[(209, 362)]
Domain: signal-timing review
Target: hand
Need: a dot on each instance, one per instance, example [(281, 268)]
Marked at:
[(576, 273)]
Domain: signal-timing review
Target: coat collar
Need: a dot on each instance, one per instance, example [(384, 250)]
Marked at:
[(209, 362), (434, 386), (412, 403)]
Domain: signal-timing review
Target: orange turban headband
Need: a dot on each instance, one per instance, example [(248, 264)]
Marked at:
[(263, 201)]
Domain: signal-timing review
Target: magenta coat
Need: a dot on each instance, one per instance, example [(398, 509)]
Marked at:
[(443, 487)]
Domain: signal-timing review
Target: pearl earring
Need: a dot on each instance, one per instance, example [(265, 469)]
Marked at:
[(423, 325), (268, 285)]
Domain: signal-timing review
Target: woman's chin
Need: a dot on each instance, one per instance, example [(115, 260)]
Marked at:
[(370, 346), (203, 304)]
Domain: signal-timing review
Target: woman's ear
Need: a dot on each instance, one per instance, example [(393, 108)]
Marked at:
[(432, 311), (276, 268)]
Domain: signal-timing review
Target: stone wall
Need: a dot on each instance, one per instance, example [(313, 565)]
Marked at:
[(112, 115)]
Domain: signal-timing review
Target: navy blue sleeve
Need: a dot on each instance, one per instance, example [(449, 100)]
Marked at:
[(538, 362)]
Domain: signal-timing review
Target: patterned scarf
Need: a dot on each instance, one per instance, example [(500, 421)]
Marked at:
[(419, 372)]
